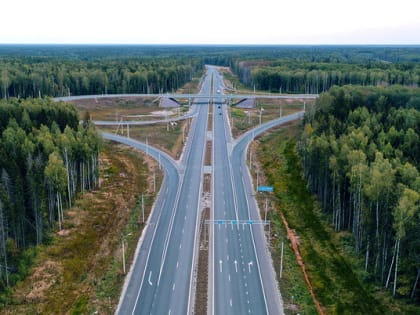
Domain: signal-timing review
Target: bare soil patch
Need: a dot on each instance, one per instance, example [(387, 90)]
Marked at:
[(210, 119), (209, 145), (203, 259)]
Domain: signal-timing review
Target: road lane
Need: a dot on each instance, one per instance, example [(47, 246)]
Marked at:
[(162, 278), (237, 286), (155, 226), (164, 284), (244, 277)]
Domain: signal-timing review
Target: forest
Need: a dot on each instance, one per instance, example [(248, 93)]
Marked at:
[(360, 151), (64, 71), (46, 158), (359, 145), (292, 75)]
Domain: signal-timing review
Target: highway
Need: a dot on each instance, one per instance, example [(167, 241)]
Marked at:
[(238, 284), (241, 275), (161, 279), (237, 287)]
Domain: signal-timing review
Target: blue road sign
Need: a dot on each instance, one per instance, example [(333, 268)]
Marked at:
[(265, 188)]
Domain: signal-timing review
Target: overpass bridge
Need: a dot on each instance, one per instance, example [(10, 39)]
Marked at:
[(179, 96)]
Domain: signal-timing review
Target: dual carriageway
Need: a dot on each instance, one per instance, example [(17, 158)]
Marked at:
[(241, 276)]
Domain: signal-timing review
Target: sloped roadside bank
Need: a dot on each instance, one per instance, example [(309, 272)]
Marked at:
[(331, 272), (81, 271)]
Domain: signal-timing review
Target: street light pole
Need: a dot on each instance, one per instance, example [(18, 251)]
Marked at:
[(123, 250), (261, 110), (258, 175), (250, 159), (281, 259), (123, 254), (142, 206), (266, 209)]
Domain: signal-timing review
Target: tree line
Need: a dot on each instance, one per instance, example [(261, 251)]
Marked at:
[(23, 77), (46, 157), (45, 70), (361, 156), (290, 76)]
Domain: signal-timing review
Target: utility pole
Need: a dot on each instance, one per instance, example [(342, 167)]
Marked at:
[(142, 206), (183, 134), (266, 209), (123, 254), (281, 259), (261, 110), (250, 159), (160, 165), (123, 249), (258, 175)]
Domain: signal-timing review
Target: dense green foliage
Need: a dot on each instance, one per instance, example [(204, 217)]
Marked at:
[(316, 69), (336, 283), (30, 71), (295, 76), (61, 71), (360, 149), (45, 158)]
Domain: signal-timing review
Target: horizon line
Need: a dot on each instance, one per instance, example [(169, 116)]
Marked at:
[(201, 44)]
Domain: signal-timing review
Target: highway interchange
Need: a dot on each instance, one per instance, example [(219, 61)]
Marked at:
[(241, 275)]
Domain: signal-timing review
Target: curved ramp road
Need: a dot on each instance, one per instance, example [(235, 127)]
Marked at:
[(157, 224), (241, 276), (161, 279)]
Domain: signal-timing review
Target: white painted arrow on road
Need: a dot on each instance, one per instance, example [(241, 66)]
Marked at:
[(150, 275), (249, 266), (236, 265)]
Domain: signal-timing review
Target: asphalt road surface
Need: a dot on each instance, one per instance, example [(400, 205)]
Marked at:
[(162, 277), (241, 275)]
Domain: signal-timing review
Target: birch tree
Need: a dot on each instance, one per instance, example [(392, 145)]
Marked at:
[(56, 178), (408, 207)]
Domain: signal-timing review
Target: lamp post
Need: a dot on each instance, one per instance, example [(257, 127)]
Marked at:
[(266, 209), (123, 250), (142, 206), (261, 111)]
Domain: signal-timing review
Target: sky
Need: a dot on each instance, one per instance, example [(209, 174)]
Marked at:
[(275, 22)]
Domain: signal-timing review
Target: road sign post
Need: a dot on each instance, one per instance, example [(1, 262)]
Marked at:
[(265, 189)]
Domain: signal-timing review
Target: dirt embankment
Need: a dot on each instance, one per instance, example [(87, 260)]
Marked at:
[(72, 273), (294, 240)]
